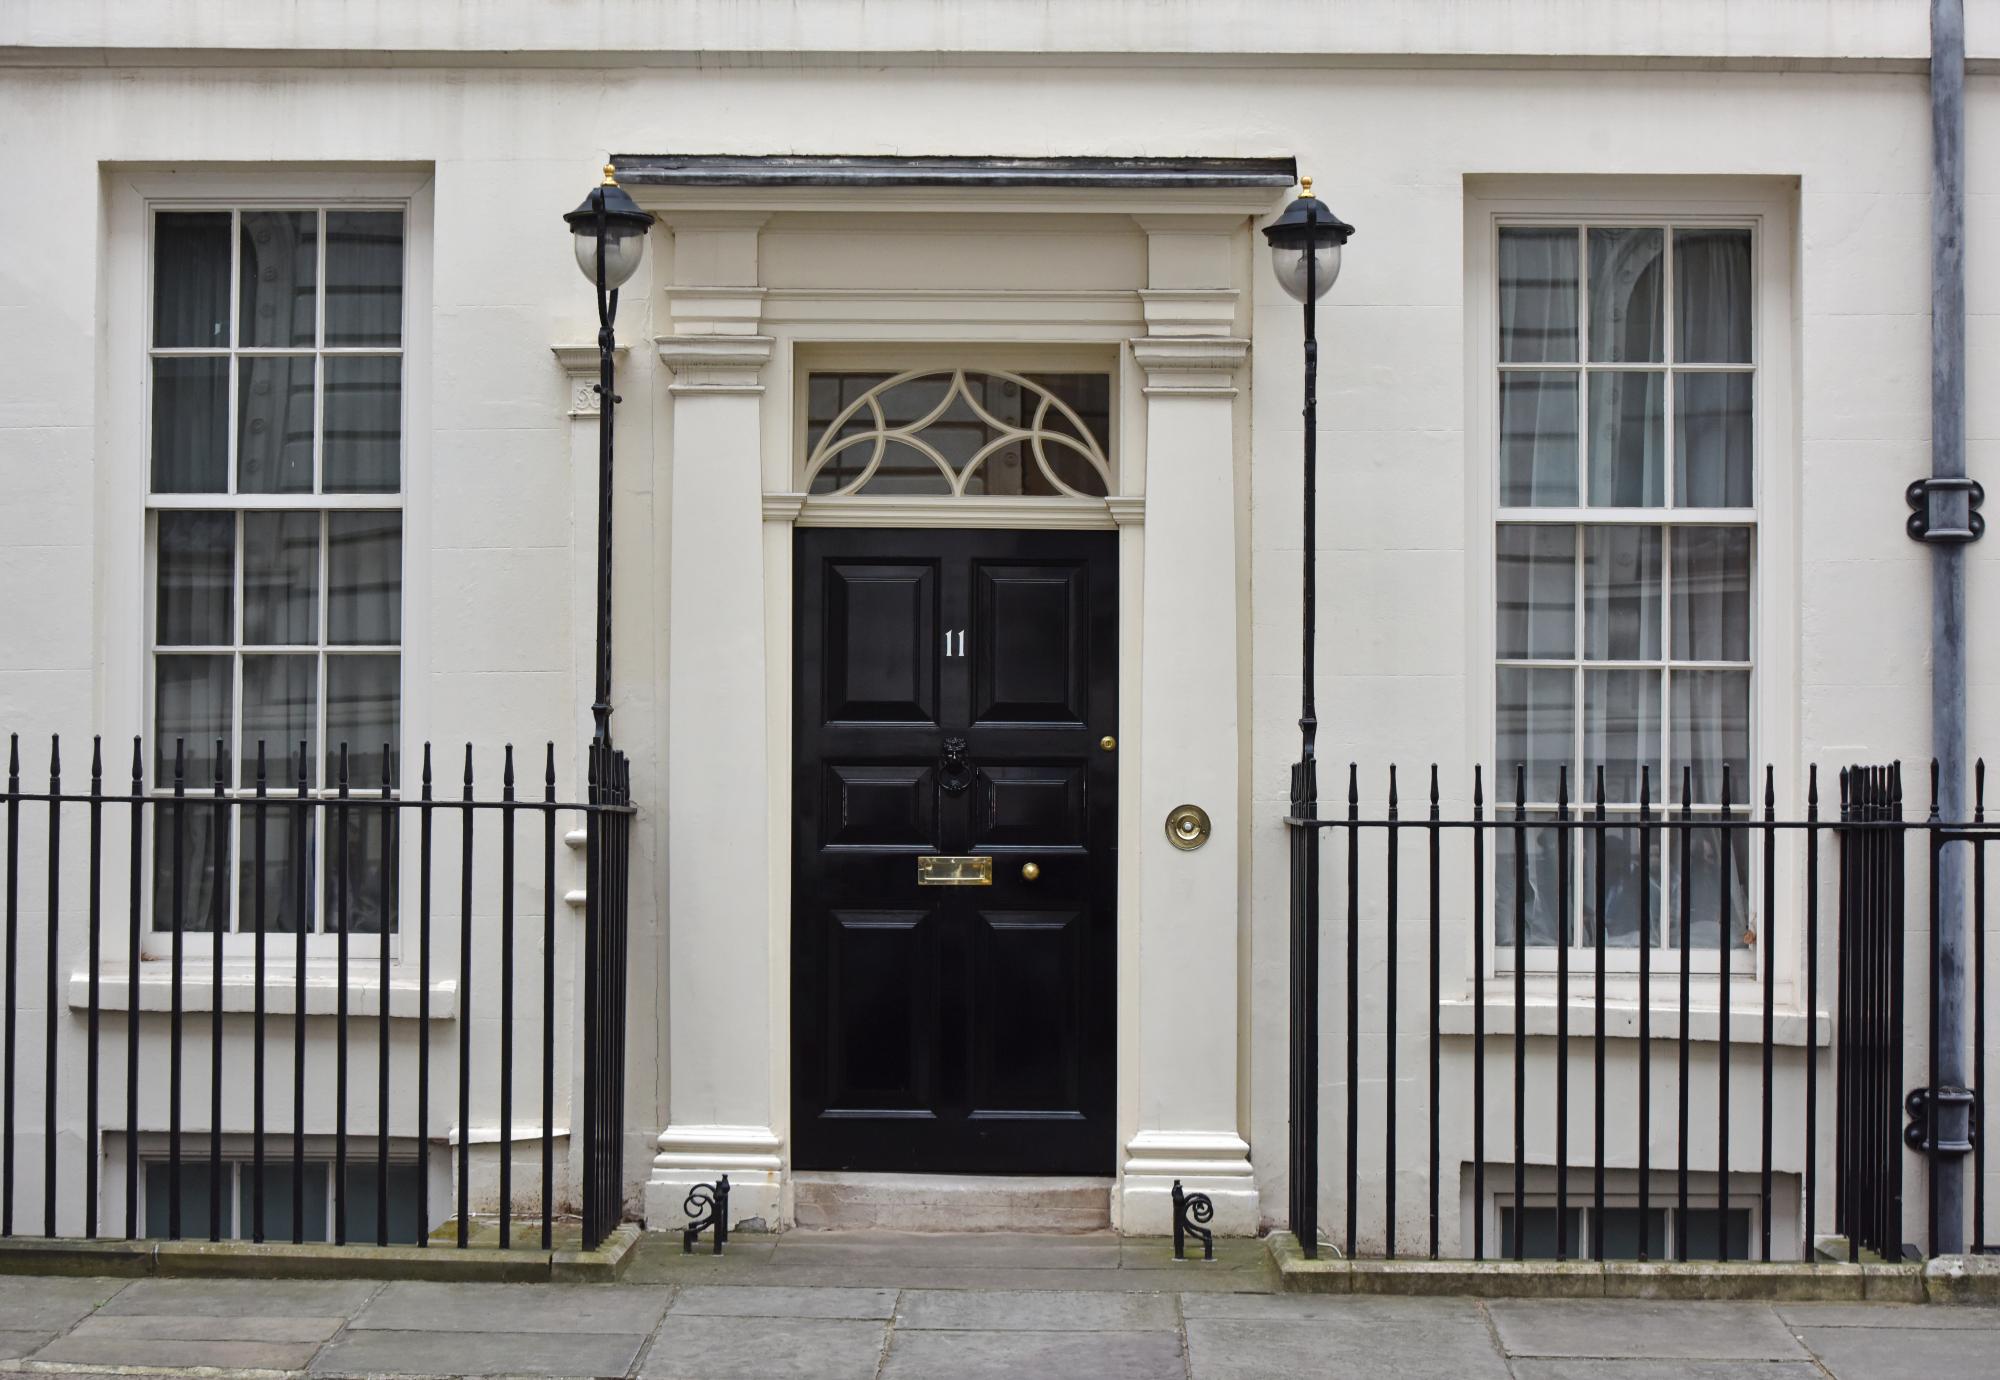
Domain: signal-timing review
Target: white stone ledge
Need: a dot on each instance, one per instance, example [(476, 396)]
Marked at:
[(239, 991), (1746, 1020)]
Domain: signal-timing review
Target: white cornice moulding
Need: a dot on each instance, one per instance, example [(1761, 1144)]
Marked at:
[(716, 363), (1190, 365), (579, 362), (1127, 510), (783, 507), (1069, 514)]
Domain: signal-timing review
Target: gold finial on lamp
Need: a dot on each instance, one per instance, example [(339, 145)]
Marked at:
[(610, 175), (1305, 184)]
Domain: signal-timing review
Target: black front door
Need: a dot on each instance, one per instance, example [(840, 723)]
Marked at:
[(956, 695)]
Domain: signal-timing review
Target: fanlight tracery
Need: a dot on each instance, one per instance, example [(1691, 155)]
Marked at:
[(958, 433)]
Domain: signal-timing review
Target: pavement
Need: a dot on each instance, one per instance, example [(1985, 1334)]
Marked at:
[(853, 1306)]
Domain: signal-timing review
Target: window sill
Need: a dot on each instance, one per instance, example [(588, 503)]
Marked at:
[(1746, 1020), (239, 992)]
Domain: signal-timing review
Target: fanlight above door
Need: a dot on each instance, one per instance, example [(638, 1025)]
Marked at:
[(958, 433)]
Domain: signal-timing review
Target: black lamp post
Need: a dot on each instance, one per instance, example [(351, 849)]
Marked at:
[(1305, 253), (609, 231)]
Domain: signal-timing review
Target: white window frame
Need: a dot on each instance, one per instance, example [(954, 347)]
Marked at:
[(127, 545), (1766, 207)]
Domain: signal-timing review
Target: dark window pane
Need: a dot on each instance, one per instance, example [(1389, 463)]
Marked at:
[(196, 580), (364, 578), (1621, 593), (1628, 440), (1537, 727), (364, 278), (1621, 733), (194, 1196), (1537, 572), (1540, 1241), (1712, 296), (364, 1193), (1622, 893), (280, 579), (1701, 1234), (191, 280), (364, 424), (1713, 855), (278, 1202), (1711, 732), (1712, 440), (1625, 296), (1621, 1233), (280, 704), (1711, 599), (199, 827), (360, 863), (1535, 894), (1538, 446), (274, 424), (289, 866), (191, 426), (280, 278), (363, 711), (1537, 295), (191, 705)]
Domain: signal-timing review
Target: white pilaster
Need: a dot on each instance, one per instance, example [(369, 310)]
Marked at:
[(723, 1098), (1189, 1100)]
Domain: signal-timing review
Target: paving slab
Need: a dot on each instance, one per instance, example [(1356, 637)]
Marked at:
[(1599, 1369), (755, 1301), (1387, 1311), (1013, 1355), (916, 1251), (33, 1303), (196, 1327), (158, 1353), (1926, 1317), (227, 1298), (1358, 1344), (1034, 1310), (1157, 1253), (1643, 1329), (1894, 1353), (566, 1308), (15, 1345), (889, 1275), (707, 1348), (479, 1353)]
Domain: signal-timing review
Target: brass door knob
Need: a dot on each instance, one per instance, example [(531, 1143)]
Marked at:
[(1107, 742), (1030, 871)]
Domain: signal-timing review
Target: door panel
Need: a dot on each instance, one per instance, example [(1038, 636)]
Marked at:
[(1030, 657), (881, 633), (951, 692)]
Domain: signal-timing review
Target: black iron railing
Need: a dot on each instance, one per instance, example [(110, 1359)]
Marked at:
[(1635, 914), (263, 925)]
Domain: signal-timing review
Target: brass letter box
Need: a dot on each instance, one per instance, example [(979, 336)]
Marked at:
[(938, 870)]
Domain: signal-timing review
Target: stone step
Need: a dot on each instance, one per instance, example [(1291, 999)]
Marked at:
[(950, 1202)]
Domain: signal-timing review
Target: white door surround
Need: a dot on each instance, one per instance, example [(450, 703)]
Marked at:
[(760, 282)]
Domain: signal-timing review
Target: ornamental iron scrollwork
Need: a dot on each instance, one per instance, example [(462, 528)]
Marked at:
[(706, 1205), (954, 772), (962, 435), (1189, 1210)]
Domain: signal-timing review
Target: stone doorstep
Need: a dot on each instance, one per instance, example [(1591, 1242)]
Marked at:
[(1949, 1279), (273, 1260)]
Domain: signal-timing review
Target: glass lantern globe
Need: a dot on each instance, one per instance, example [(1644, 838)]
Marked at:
[(624, 233), (1307, 233)]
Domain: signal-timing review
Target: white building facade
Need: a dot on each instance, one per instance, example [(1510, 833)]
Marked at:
[(960, 405)]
